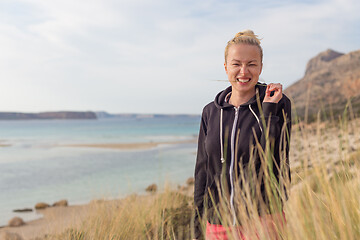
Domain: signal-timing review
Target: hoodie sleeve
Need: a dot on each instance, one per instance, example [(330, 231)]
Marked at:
[(277, 117), (200, 176)]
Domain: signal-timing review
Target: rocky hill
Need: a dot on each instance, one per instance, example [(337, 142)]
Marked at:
[(331, 80), (47, 115)]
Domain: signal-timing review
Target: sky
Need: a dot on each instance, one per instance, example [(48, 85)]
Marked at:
[(154, 56)]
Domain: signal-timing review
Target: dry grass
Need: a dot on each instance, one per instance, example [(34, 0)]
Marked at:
[(324, 200), (158, 216)]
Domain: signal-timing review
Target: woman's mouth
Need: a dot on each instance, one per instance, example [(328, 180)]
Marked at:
[(243, 80)]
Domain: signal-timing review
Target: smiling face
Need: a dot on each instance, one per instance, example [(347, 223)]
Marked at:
[(243, 67)]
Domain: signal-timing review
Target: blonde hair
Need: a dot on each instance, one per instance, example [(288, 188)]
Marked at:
[(245, 37)]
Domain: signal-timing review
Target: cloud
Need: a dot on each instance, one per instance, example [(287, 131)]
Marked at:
[(158, 56)]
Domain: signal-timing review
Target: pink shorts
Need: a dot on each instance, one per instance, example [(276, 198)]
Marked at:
[(219, 232)]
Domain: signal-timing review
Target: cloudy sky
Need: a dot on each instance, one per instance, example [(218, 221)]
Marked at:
[(154, 56)]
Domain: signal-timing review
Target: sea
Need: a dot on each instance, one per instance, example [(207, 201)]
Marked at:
[(38, 165)]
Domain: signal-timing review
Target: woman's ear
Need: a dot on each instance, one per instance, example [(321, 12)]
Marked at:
[(225, 68)]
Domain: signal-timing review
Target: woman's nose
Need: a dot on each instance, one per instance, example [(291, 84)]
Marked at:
[(243, 69)]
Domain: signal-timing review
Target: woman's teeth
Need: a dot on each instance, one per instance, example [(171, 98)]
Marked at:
[(243, 80)]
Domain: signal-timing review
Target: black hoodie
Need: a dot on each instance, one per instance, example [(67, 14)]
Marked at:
[(222, 127)]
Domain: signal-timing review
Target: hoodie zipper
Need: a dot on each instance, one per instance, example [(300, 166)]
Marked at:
[(231, 170)]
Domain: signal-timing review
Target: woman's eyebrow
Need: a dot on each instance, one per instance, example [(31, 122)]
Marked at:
[(235, 60)]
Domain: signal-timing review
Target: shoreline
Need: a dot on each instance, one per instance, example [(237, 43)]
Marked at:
[(55, 220), (128, 146), (4, 144)]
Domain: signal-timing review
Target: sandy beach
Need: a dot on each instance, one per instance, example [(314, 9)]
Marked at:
[(4, 144), (129, 146), (55, 220)]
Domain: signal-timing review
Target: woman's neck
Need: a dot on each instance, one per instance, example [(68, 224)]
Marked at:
[(238, 98)]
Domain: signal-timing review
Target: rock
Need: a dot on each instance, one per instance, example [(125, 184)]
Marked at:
[(16, 222), (190, 181), (330, 80), (23, 210), (61, 203), (41, 205), (151, 188), (10, 236), (320, 60)]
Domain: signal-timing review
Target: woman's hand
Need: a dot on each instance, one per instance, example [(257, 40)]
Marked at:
[(276, 88)]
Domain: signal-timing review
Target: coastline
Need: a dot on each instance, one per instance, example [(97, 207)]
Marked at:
[(55, 220), (129, 146)]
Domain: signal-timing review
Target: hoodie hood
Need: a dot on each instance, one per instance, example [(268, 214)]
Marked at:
[(220, 102)]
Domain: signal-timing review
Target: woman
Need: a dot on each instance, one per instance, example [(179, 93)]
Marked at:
[(236, 129)]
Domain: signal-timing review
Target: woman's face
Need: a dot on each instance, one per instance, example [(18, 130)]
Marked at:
[(243, 67)]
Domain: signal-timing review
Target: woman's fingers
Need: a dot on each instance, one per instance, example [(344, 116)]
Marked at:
[(276, 89)]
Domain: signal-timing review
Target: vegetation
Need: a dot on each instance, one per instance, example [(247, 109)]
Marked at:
[(324, 199)]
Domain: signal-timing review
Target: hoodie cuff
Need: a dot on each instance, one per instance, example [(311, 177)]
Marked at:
[(269, 108)]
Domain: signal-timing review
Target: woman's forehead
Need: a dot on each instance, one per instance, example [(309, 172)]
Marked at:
[(243, 52)]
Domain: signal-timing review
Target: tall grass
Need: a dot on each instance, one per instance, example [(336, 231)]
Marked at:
[(165, 215), (325, 196), (323, 203)]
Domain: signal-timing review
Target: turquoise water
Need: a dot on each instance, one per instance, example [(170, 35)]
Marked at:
[(36, 167)]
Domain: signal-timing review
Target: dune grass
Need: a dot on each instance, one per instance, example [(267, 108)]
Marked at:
[(165, 215), (323, 203)]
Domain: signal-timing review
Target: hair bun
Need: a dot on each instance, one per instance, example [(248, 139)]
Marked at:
[(246, 32)]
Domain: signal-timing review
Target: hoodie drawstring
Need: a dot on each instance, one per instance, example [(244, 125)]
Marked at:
[(222, 159), (257, 119)]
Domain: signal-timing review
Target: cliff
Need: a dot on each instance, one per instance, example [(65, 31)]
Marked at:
[(331, 80)]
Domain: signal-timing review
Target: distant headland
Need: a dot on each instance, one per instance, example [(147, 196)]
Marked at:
[(102, 114), (47, 115), (82, 115)]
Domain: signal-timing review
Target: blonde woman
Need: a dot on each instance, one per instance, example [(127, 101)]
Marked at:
[(231, 128)]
